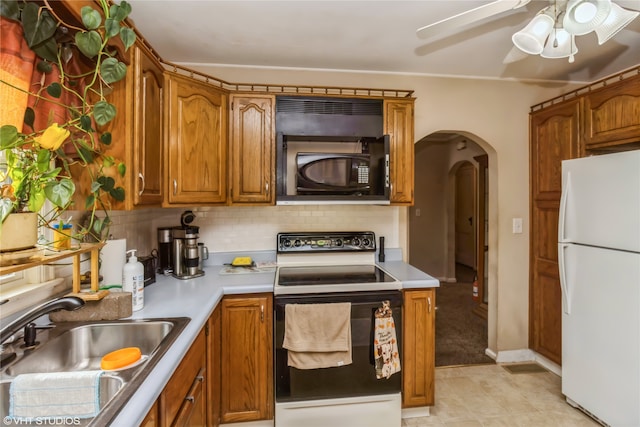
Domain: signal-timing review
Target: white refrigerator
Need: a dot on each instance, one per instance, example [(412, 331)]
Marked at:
[(599, 259)]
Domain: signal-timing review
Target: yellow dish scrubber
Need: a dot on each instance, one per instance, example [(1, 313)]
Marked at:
[(242, 261)]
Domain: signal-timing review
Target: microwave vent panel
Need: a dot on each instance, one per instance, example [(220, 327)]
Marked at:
[(330, 117)]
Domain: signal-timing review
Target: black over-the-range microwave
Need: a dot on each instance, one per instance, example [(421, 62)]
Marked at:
[(325, 174)]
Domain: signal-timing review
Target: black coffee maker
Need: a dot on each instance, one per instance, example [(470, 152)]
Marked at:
[(165, 250)]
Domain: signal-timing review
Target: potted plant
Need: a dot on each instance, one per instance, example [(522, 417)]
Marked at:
[(58, 107)]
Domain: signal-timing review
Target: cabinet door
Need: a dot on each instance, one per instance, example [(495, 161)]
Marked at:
[(419, 347), (193, 412), (252, 149), (197, 141), (612, 114), (554, 137), (148, 130), (214, 352), (177, 398), (247, 368), (398, 124)]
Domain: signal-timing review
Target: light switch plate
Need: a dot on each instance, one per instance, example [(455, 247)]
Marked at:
[(517, 225)]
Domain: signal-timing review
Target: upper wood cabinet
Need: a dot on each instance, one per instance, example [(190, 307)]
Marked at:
[(612, 114), (147, 129), (196, 140), (136, 133), (247, 358), (252, 149), (398, 124), (418, 348)]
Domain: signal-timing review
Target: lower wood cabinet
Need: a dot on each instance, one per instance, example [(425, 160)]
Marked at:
[(418, 356), (214, 365), (183, 402), (247, 361)]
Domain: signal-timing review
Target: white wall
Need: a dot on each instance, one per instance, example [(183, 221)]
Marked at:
[(495, 113)]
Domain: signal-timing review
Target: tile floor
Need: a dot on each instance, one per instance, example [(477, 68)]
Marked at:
[(489, 395)]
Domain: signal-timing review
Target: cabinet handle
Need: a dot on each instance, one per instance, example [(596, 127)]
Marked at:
[(141, 179), (266, 187), (190, 399), (429, 304), (175, 187), (262, 313), (200, 378)]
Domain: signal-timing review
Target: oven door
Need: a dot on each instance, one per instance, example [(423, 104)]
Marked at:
[(356, 379)]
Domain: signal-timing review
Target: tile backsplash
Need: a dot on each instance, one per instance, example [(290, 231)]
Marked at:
[(253, 228)]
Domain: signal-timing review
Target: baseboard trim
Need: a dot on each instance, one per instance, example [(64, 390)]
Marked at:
[(422, 411), (261, 423), (524, 355)]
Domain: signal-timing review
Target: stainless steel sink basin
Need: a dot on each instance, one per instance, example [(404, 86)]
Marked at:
[(80, 346)]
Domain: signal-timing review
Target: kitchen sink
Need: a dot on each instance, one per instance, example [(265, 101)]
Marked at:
[(80, 346)]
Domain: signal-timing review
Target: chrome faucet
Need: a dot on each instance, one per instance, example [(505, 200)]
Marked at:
[(64, 303)]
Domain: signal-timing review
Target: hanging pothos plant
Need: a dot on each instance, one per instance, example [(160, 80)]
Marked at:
[(74, 69)]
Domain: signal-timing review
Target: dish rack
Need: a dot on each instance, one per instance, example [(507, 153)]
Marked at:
[(40, 257)]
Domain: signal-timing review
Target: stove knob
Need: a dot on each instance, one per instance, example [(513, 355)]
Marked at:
[(355, 241), (297, 243), (339, 242), (366, 242), (286, 243)]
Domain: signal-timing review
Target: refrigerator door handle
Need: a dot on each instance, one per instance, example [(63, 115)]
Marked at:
[(566, 302), (563, 207)]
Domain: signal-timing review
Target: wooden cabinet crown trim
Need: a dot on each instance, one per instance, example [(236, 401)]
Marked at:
[(585, 90)]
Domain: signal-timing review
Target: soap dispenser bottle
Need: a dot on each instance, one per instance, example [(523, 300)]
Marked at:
[(133, 280)]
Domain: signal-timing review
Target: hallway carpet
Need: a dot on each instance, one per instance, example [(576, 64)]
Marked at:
[(461, 335)]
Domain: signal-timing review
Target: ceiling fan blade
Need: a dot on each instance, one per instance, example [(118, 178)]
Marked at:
[(468, 17)]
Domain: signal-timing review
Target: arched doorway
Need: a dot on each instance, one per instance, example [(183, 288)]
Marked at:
[(448, 239)]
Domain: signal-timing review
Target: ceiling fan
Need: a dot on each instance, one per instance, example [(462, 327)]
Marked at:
[(551, 33)]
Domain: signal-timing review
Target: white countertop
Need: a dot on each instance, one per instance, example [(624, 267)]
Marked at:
[(197, 298)]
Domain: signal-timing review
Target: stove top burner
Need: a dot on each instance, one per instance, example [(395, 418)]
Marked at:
[(332, 275)]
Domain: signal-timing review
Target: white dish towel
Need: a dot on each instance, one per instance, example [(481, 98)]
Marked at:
[(72, 394)]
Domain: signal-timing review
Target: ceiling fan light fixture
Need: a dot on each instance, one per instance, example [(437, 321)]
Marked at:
[(618, 19), (531, 39), (584, 16), (561, 44)]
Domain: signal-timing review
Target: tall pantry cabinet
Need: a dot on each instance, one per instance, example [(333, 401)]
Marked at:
[(554, 137), (600, 118)]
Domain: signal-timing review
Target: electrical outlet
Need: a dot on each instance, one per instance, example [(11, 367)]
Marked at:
[(517, 225), (418, 212)]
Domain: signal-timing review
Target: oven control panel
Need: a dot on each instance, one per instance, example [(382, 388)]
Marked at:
[(359, 241)]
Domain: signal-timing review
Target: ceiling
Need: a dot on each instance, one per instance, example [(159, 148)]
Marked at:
[(378, 36)]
